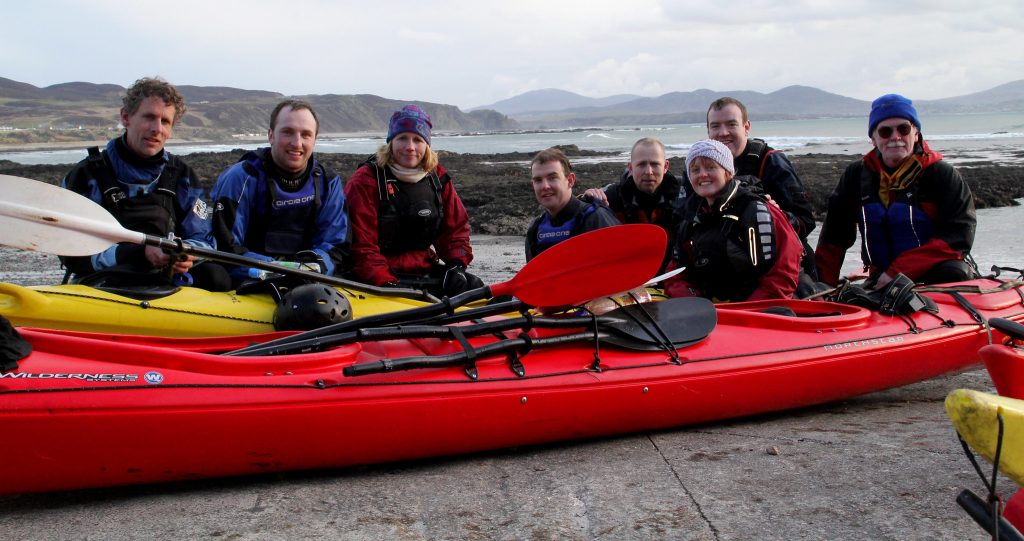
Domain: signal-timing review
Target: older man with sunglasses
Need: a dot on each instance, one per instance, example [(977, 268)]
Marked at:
[(914, 211)]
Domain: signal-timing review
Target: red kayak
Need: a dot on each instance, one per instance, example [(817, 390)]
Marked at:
[(97, 410), (1005, 365)]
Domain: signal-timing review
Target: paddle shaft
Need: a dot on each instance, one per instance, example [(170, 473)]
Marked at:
[(440, 331), (178, 247), (316, 339)]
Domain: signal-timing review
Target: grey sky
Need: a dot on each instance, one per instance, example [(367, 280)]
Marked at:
[(471, 53)]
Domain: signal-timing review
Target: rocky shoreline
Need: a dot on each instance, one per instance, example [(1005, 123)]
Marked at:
[(495, 187)]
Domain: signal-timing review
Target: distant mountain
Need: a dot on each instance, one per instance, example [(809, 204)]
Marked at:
[(77, 111), (552, 99), (786, 103), (70, 111), (1004, 98)]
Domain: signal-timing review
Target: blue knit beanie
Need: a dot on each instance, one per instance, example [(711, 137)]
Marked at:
[(709, 148), (889, 106), (410, 119)]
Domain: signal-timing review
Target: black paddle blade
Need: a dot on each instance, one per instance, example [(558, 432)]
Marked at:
[(652, 326)]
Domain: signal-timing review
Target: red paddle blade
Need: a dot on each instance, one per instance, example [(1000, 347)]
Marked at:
[(591, 265)]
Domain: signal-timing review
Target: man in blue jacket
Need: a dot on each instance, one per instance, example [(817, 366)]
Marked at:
[(278, 202), (148, 190), (564, 216)]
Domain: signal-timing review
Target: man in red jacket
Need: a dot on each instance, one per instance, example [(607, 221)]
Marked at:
[(914, 211)]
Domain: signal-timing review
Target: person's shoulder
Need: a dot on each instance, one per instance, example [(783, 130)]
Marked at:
[(943, 166), (855, 165), (364, 174), (233, 173), (778, 158), (79, 168)]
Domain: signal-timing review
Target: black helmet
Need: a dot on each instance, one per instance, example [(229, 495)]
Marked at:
[(310, 306)]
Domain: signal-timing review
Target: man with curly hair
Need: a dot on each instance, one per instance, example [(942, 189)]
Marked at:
[(148, 190)]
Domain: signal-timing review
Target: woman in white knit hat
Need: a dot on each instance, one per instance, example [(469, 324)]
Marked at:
[(734, 244)]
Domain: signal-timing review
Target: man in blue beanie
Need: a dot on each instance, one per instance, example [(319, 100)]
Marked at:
[(914, 211)]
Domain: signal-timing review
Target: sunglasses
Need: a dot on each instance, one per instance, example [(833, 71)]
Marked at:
[(885, 132)]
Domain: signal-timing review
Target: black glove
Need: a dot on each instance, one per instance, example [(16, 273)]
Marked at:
[(455, 280), (390, 284), (311, 259), (899, 297)]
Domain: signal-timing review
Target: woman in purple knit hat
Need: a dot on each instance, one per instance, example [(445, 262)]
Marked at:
[(409, 227)]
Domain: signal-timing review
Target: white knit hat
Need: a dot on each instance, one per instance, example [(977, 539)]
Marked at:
[(709, 148)]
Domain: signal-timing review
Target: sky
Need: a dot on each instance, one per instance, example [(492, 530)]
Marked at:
[(477, 52)]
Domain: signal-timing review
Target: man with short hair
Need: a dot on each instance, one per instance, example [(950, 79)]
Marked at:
[(914, 211), (278, 202), (727, 123), (148, 190), (647, 193), (564, 216)]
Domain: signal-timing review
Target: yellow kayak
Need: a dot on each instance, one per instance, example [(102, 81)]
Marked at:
[(974, 414), (188, 311)]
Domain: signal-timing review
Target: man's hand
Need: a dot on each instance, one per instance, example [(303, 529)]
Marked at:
[(160, 259), (595, 194)]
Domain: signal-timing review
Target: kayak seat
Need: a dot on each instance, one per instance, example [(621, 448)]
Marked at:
[(141, 286)]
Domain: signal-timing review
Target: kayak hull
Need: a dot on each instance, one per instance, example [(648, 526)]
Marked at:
[(98, 411)]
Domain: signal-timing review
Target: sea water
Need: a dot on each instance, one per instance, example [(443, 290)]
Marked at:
[(998, 137)]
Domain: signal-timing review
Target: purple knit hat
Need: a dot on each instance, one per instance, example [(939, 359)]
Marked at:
[(410, 119)]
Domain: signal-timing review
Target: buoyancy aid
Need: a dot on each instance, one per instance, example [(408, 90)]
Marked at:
[(890, 231), (410, 215), (729, 246), (658, 206), (290, 221), (151, 213), (753, 159), (549, 234)]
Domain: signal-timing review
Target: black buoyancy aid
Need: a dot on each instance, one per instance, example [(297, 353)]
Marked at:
[(410, 215), (153, 213), (728, 251), (291, 217), (658, 209), (890, 231), (549, 234), (753, 159)]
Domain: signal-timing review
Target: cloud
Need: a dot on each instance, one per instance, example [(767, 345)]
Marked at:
[(471, 53)]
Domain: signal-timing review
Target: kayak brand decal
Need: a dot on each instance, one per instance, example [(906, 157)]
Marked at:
[(100, 378), (865, 343), (155, 378)]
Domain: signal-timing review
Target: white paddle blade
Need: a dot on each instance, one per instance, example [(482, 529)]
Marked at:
[(46, 218)]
